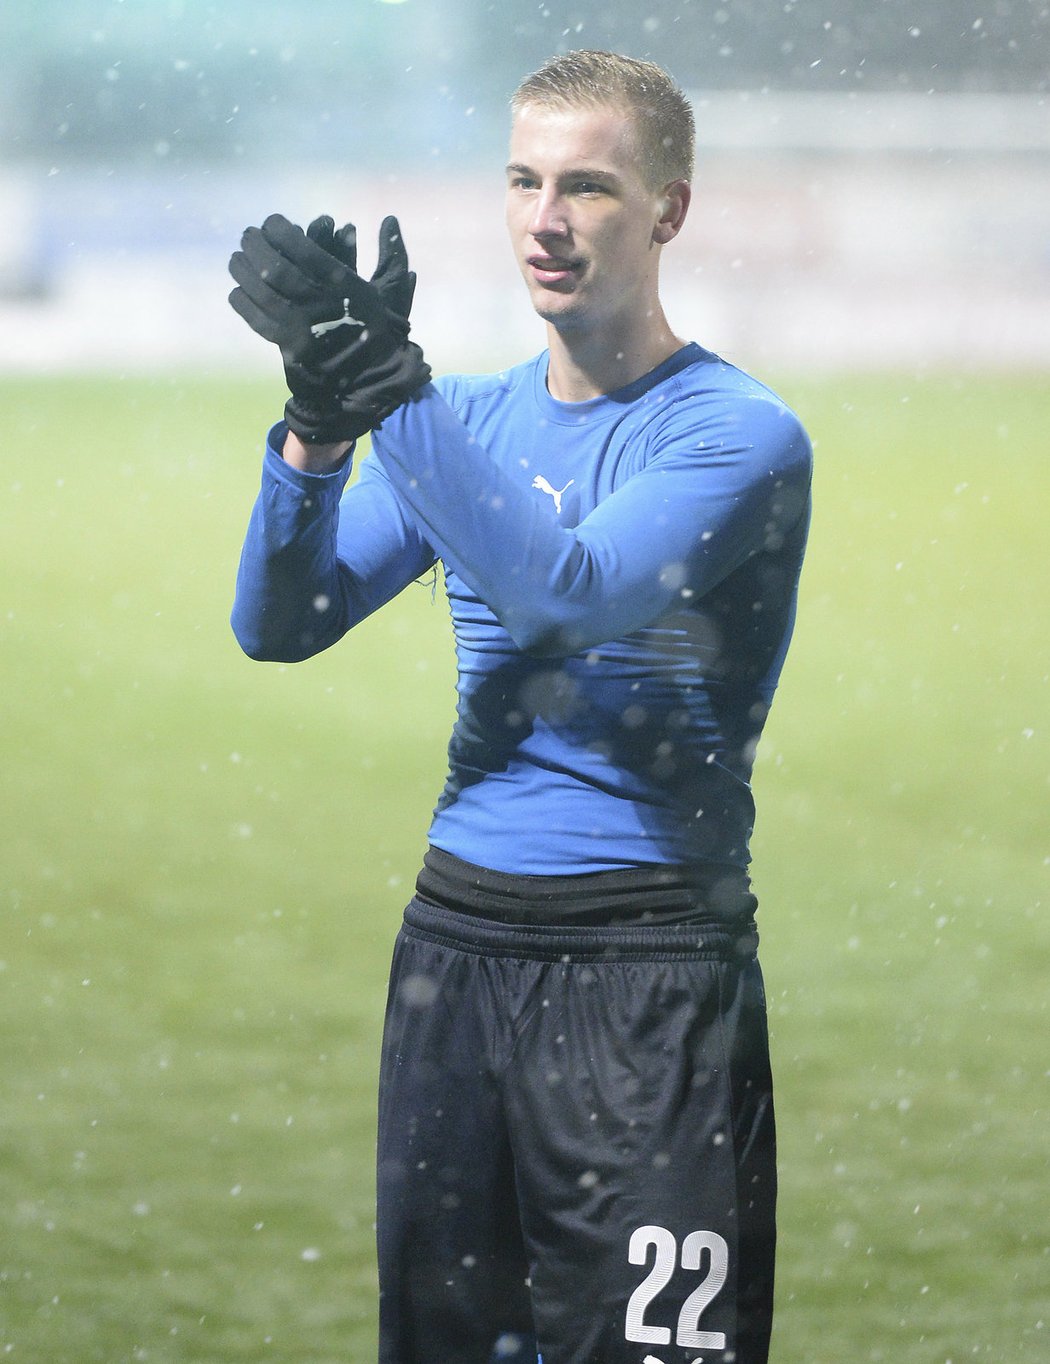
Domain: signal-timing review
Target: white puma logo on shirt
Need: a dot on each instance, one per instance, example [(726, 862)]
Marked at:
[(541, 483)]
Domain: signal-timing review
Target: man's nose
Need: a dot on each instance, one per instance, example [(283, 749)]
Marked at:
[(549, 218)]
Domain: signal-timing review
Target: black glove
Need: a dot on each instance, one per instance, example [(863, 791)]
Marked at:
[(393, 279), (344, 340)]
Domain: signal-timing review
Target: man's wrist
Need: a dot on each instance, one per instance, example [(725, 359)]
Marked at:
[(314, 459)]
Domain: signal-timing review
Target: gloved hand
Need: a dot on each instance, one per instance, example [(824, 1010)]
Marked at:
[(395, 282), (344, 340)]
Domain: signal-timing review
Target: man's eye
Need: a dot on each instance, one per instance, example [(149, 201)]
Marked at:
[(589, 187), (523, 182)]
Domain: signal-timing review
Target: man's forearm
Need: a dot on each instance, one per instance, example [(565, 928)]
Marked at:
[(703, 505)]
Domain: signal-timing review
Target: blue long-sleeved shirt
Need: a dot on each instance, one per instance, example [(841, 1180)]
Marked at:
[(622, 576)]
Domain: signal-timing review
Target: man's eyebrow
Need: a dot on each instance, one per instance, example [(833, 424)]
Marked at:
[(573, 173), (590, 173)]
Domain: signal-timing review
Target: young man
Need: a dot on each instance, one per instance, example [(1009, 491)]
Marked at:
[(576, 1144)]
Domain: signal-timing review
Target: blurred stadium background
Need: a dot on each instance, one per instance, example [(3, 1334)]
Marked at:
[(203, 861), (874, 182)]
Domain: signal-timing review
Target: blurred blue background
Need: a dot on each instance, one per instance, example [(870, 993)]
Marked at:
[(874, 178)]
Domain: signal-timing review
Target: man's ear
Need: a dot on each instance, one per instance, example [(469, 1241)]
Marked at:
[(673, 206)]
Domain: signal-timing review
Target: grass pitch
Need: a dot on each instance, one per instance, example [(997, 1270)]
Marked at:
[(204, 862)]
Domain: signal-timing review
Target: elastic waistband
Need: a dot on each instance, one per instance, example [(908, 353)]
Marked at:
[(578, 943)]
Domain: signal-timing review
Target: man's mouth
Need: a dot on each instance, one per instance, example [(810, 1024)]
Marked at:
[(552, 269)]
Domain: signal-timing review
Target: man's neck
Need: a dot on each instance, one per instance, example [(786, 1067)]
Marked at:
[(586, 366)]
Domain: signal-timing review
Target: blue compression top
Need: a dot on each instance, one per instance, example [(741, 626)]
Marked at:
[(622, 576)]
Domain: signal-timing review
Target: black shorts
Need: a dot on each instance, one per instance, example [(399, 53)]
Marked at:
[(576, 1145)]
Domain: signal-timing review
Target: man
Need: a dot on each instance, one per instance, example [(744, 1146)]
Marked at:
[(576, 1144)]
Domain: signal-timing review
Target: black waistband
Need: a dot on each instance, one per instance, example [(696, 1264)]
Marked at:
[(567, 943), (657, 894)]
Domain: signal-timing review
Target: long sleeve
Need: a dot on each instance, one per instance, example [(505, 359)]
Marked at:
[(317, 560), (716, 488)]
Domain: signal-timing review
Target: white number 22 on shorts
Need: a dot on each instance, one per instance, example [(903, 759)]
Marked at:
[(666, 1260)]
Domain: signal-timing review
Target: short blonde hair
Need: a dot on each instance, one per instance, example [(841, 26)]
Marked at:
[(661, 116)]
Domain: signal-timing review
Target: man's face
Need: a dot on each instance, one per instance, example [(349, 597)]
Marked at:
[(581, 217)]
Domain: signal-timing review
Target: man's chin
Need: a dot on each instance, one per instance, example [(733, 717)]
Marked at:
[(562, 311)]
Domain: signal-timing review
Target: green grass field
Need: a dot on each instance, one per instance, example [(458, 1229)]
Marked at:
[(204, 860)]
